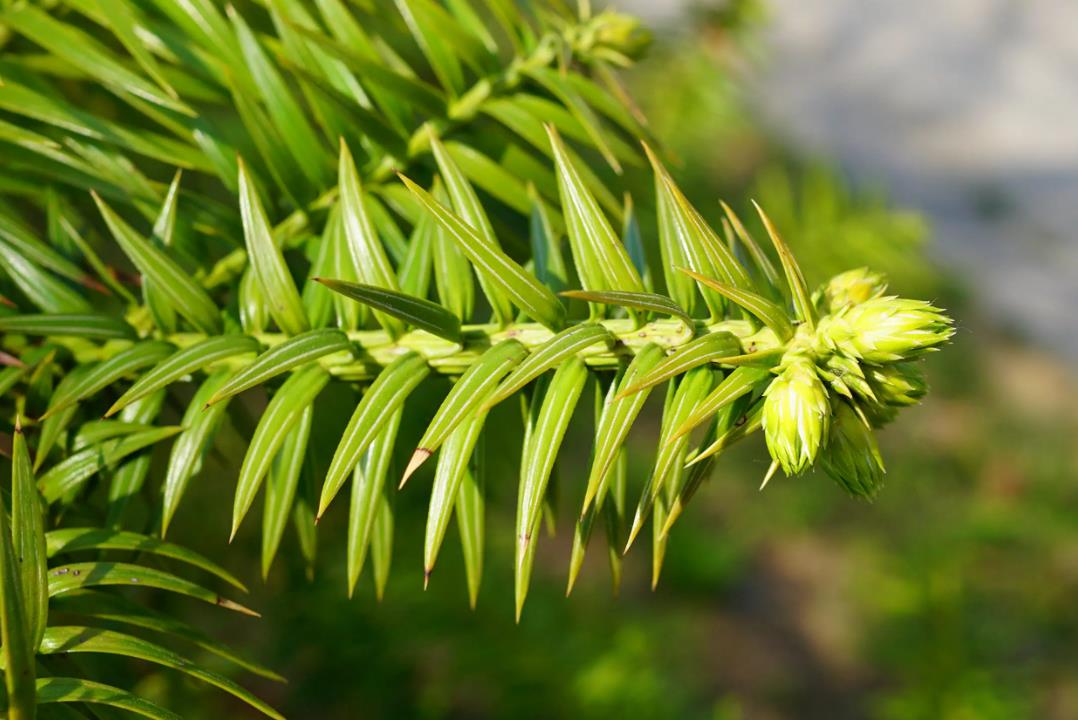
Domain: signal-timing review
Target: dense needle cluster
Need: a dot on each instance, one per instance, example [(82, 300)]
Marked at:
[(367, 198)]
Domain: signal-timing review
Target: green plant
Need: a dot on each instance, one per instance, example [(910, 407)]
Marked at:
[(125, 295)]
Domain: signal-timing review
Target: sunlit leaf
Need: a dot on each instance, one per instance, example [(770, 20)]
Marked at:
[(566, 344), (270, 268), (468, 394), (295, 352), (371, 264), (368, 502), (95, 327), (616, 419), (109, 371), (69, 475), (705, 349), (521, 286), (182, 292), (73, 639), (281, 485), (768, 312), (284, 410), (184, 362), (537, 461), (199, 423), (77, 690), (388, 392)]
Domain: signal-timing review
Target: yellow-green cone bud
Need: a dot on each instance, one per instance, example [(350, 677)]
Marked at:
[(796, 415), (852, 458), (853, 287), (846, 377), (899, 384), (885, 329)]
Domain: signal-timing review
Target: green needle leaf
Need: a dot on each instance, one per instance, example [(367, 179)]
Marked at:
[(753, 420), (382, 544), (76, 576), (371, 264), (448, 478), (470, 508), (272, 272), (705, 349), (468, 394), (531, 296), (758, 255), (115, 608), (649, 302), (768, 312), (106, 373), (184, 362), (77, 690), (121, 18), (70, 639), (53, 427), (44, 290), (164, 315), (616, 419), (177, 286), (421, 313), (127, 481), (281, 485), (702, 246), (385, 395), (86, 54), (467, 207), (69, 475), (301, 350), (802, 299), (199, 423), (368, 502), (76, 539), (18, 650), (28, 539), (92, 327), (740, 382), (282, 413), (601, 258), (302, 145), (566, 344), (537, 461), (682, 399)]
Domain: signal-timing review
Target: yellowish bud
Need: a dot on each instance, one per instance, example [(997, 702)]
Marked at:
[(853, 287), (846, 377), (885, 329), (899, 384), (796, 414)]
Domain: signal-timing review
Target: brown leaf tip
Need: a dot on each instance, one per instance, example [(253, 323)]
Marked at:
[(418, 458), (232, 605)]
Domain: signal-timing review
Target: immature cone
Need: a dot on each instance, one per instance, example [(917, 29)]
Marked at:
[(853, 287), (885, 329), (846, 377), (852, 458), (796, 415), (900, 384), (894, 386)]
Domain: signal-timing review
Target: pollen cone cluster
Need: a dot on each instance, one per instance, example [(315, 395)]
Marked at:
[(848, 373)]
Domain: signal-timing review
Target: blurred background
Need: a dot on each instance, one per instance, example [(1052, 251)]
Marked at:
[(932, 139)]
